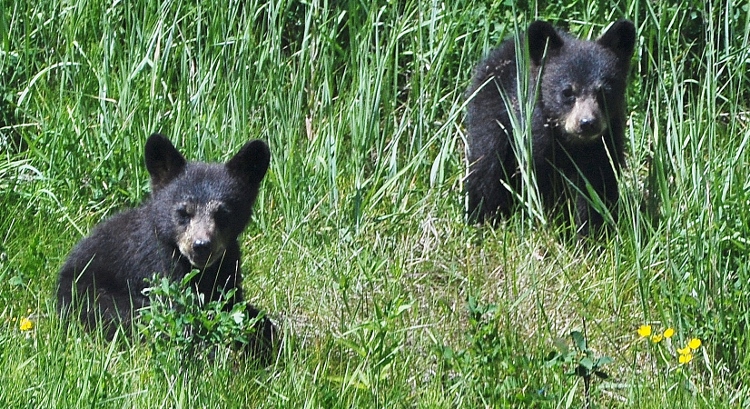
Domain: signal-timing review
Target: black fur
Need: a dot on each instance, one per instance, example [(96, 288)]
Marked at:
[(577, 122)]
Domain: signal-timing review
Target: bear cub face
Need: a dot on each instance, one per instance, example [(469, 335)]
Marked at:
[(582, 82), (208, 204)]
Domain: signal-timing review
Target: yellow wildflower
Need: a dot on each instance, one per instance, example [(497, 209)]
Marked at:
[(26, 324), (644, 331), (686, 358), (656, 338), (694, 344), (668, 332), (683, 351)]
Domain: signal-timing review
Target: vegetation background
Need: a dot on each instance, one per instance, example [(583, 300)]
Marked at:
[(359, 247)]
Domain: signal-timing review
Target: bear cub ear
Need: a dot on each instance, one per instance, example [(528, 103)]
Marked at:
[(620, 38), (251, 162), (542, 36), (163, 161)]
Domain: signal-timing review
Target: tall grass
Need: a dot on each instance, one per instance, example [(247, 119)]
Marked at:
[(358, 246)]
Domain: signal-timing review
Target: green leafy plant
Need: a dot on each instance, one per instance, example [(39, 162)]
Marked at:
[(580, 361), (179, 322)]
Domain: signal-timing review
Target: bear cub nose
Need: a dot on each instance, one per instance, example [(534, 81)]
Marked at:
[(589, 125), (202, 248)]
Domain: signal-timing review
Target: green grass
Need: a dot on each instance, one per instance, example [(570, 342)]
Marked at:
[(358, 246)]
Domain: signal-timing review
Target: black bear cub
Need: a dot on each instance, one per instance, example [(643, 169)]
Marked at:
[(576, 127), (191, 221)]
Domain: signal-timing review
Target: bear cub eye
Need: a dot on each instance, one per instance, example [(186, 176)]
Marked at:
[(222, 215), (184, 213), (568, 95)]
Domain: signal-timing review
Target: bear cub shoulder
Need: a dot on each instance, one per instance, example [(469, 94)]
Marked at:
[(191, 221), (575, 129)]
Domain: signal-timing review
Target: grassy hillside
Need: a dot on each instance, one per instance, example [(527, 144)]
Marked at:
[(358, 246)]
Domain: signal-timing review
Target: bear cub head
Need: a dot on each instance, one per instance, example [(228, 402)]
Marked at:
[(209, 204), (582, 82)]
